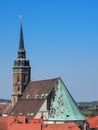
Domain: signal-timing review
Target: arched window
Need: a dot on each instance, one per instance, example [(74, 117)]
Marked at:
[(27, 96)]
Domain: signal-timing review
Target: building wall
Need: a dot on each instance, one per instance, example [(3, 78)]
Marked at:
[(43, 112), (21, 78)]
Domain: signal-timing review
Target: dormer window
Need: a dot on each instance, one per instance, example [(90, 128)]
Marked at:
[(36, 96), (28, 96), (42, 95)]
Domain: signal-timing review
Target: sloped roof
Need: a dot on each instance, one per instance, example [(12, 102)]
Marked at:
[(3, 123), (65, 126), (63, 106), (32, 100), (28, 103), (2, 107), (39, 88), (93, 121), (27, 106), (5, 108)]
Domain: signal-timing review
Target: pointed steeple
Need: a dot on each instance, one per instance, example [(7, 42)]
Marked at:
[(21, 70), (21, 43), (21, 51)]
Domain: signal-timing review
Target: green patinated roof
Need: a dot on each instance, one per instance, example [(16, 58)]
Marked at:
[(63, 106)]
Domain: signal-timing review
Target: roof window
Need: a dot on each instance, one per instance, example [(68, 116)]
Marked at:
[(36, 96), (28, 96)]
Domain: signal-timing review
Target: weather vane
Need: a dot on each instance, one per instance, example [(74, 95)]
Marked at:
[(20, 18)]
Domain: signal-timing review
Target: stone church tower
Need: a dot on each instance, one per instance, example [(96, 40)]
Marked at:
[(21, 71)]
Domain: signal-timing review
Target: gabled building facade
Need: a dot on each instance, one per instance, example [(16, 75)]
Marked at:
[(49, 99)]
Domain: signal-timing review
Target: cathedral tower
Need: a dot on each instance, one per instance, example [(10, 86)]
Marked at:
[(21, 71)]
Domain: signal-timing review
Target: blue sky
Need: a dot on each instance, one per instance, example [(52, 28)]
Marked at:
[(61, 40)]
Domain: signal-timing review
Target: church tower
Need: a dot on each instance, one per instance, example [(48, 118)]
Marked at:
[(21, 71)]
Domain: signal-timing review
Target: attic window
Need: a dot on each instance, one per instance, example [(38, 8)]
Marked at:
[(36, 96), (42, 95), (46, 95), (20, 113), (12, 113), (27, 97), (30, 114)]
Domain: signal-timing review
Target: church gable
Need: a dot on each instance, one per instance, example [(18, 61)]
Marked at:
[(49, 98), (61, 105)]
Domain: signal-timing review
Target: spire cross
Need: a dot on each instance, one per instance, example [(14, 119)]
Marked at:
[(20, 18)]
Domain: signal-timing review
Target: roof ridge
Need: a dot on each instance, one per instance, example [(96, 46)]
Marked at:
[(46, 79), (31, 99)]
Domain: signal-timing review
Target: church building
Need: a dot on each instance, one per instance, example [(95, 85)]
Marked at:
[(48, 99)]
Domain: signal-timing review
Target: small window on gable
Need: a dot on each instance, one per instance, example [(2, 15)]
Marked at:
[(28, 96)]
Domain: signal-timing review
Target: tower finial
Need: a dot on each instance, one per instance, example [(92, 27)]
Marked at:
[(20, 19)]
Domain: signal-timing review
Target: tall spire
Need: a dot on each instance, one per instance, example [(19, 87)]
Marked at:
[(21, 51), (21, 44), (21, 70)]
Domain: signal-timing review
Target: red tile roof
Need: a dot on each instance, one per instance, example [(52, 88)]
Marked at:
[(3, 123), (93, 121), (5, 108)]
